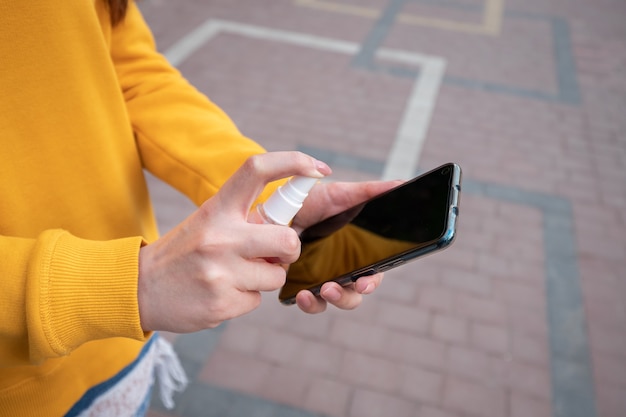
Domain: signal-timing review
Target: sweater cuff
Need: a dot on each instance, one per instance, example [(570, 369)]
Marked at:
[(82, 290)]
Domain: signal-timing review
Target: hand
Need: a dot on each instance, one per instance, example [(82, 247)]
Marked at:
[(212, 266), (326, 200)]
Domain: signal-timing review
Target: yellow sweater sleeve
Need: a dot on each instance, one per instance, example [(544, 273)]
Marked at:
[(70, 299), (58, 291), (183, 137)]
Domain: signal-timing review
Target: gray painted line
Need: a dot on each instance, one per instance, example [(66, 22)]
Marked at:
[(572, 380), (377, 34), (499, 88), (205, 400), (565, 67), (479, 8), (573, 392), (569, 91), (371, 45)]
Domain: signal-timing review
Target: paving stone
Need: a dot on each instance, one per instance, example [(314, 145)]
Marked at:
[(474, 399), (525, 314)]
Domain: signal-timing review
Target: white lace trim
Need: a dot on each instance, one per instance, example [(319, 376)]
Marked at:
[(128, 396), (169, 372)]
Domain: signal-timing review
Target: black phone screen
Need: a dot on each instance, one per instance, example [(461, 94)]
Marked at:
[(409, 217)]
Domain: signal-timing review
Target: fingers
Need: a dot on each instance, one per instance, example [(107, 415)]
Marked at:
[(348, 194), (345, 298), (360, 192), (367, 285), (262, 276), (308, 303), (271, 241), (328, 199), (240, 191)]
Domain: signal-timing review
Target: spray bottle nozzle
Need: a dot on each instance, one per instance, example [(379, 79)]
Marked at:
[(283, 205)]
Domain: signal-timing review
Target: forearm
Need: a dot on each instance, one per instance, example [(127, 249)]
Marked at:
[(183, 138)]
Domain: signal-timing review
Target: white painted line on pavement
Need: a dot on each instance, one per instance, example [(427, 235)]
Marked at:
[(403, 159)]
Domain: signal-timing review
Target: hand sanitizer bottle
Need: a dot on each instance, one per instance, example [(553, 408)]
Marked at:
[(285, 202)]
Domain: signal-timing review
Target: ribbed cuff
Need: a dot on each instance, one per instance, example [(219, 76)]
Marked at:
[(87, 290)]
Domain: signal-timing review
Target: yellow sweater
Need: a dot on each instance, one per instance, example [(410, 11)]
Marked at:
[(83, 109)]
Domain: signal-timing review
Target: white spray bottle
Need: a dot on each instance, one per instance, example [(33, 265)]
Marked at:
[(282, 206)]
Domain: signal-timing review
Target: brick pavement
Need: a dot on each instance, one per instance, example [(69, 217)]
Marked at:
[(525, 315)]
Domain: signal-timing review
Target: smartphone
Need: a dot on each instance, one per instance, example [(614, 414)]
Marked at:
[(414, 219)]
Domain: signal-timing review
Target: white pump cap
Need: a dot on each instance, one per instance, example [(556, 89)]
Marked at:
[(283, 205)]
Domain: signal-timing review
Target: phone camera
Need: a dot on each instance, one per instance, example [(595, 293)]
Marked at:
[(445, 171)]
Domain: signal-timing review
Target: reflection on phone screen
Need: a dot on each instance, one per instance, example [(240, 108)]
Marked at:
[(398, 222)]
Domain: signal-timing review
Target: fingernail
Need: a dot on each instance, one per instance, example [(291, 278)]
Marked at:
[(305, 302), (368, 288), (322, 167), (331, 294)]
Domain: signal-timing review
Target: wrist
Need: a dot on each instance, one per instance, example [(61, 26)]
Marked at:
[(143, 296)]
